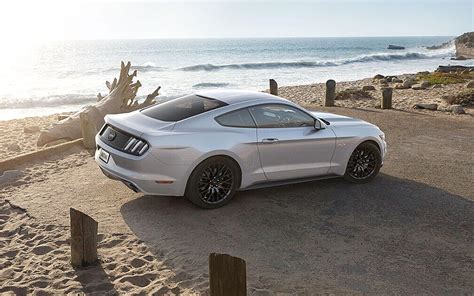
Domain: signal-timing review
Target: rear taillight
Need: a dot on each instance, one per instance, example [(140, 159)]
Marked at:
[(135, 146)]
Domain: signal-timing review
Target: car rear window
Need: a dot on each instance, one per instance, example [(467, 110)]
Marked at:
[(182, 108)]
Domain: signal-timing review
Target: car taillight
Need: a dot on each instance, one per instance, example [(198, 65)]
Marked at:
[(135, 146)]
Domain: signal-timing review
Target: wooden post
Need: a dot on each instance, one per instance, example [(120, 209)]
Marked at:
[(88, 130), (83, 239), (273, 87), (227, 275), (386, 98), (330, 93)]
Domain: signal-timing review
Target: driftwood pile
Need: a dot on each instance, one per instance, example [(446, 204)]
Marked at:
[(120, 99)]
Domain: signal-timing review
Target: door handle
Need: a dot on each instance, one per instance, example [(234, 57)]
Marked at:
[(270, 140)]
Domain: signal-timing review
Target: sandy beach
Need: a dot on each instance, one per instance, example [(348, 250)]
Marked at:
[(408, 232)]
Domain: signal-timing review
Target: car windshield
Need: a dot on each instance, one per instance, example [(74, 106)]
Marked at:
[(182, 108)]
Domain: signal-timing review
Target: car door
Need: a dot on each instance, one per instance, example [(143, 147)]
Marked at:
[(289, 145)]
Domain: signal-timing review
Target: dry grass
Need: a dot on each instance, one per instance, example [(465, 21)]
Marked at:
[(353, 94)]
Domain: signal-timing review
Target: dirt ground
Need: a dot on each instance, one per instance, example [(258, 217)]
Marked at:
[(410, 231)]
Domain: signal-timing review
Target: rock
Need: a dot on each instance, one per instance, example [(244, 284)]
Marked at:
[(31, 129), (457, 109), (54, 143), (425, 84), (391, 46), (389, 78), (400, 86), (465, 45), (368, 87), (10, 176), (379, 76), (459, 58), (437, 86), (63, 116), (465, 72), (432, 107), (397, 80), (417, 87), (14, 147), (384, 84), (470, 84), (423, 73), (408, 83)]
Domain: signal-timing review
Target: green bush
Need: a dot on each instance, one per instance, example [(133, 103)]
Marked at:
[(443, 78)]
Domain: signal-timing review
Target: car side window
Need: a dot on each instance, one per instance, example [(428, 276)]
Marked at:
[(240, 118), (280, 116)]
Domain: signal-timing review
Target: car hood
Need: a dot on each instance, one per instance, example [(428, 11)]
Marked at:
[(137, 123), (341, 120)]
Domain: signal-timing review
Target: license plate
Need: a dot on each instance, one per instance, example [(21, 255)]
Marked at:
[(104, 155)]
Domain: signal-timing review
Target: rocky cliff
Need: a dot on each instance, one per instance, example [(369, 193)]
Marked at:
[(465, 45)]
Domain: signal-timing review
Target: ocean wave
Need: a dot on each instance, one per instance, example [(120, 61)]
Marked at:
[(48, 101), (308, 64), (211, 84)]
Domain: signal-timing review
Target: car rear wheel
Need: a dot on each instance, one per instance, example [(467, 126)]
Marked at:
[(364, 164), (213, 183)]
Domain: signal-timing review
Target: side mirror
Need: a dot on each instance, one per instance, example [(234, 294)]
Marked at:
[(318, 125)]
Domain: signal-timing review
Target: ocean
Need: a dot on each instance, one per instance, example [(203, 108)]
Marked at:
[(63, 76)]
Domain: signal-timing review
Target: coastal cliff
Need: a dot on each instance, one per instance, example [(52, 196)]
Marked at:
[(465, 45)]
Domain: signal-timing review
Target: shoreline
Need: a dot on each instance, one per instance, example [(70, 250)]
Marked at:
[(15, 141)]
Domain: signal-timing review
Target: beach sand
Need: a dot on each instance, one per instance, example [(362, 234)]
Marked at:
[(410, 231)]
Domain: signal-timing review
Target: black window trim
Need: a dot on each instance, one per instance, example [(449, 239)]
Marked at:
[(282, 104)]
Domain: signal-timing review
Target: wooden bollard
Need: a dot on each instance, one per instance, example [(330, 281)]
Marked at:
[(227, 275), (386, 98), (330, 93), (88, 130), (83, 239), (273, 87)]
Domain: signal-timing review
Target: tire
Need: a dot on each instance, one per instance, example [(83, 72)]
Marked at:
[(364, 163), (213, 182)]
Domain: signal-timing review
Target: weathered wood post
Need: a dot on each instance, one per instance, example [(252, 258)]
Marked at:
[(227, 275), (330, 93), (83, 239), (386, 98), (273, 87), (88, 129)]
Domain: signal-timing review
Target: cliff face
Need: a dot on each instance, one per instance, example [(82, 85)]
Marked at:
[(465, 45)]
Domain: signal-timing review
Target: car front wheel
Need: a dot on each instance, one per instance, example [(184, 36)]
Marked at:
[(213, 183), (364, 164)]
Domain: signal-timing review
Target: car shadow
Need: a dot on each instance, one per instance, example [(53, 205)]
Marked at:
[(388, 236)]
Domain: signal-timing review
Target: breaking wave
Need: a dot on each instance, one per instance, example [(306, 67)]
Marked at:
[(308, 64), (48, 101), (211, 84)]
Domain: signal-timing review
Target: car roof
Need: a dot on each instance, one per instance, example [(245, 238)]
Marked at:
[(233, 96)]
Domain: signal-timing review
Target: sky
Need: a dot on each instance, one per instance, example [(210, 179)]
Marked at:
[(25, 22)]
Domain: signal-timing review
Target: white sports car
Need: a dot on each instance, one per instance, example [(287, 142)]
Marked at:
[(208, 145)]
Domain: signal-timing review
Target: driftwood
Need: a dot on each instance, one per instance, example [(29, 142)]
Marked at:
[(120, 99), (16, 161)]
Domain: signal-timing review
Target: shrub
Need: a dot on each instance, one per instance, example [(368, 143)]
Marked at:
[(464, 98), (443, 78)]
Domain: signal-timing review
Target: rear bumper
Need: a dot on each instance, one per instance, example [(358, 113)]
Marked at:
[(141, 173)]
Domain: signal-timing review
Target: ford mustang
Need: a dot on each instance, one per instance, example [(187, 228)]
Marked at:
[(208, 145)]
